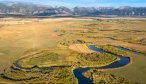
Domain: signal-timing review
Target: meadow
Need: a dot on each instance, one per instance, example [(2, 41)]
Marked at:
[(62, 44)]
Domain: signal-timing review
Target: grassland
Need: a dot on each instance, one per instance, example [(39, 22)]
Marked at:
[(96, 59), (81, 48), (100, 77), (46, 58), (111, 49), (58, 39), (58, 75)]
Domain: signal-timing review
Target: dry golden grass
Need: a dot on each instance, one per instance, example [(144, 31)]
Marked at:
[(81, 48), (18, 35)]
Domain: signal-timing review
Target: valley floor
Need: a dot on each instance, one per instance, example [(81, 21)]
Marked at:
[(70, 39)]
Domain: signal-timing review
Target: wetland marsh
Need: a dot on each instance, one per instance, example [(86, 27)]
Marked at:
[(73, 51)]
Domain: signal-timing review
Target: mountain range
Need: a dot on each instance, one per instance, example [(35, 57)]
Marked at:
[(17, 9)]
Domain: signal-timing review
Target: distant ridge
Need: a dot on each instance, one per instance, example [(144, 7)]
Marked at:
[(19, 9)]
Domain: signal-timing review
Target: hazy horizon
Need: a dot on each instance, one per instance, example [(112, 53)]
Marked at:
[(85, 3)]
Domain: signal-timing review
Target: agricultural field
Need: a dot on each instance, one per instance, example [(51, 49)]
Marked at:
[(69, 50)]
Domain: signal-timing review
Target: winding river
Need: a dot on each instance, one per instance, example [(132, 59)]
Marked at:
[(35, 68), (120, 63), (127, 50), (78, 72)]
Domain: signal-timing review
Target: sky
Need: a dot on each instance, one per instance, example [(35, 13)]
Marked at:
[(86, 3)]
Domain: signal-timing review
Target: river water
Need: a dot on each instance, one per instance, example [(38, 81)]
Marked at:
[(78, 72), (120, 63)]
